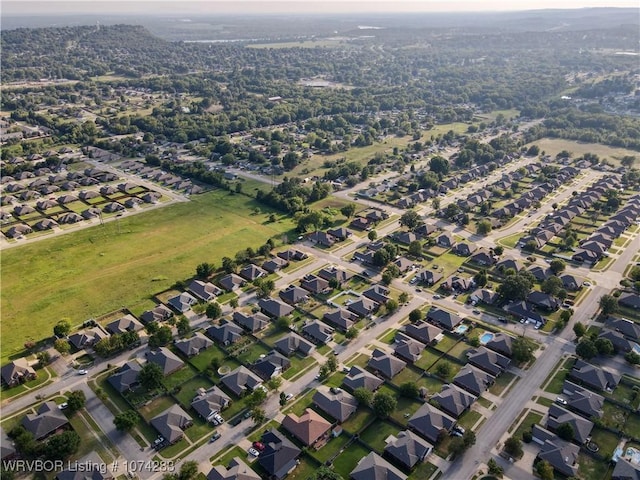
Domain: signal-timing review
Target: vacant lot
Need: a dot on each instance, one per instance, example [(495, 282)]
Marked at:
[(91, 272), (552, 146)]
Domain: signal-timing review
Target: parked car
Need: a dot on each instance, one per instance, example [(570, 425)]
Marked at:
[(258, 446), (215, 437), (82, 372), (254, 452), (437, 297), (62, 406), (288, 396), (561, 401)]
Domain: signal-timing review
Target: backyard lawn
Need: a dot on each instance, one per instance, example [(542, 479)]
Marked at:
[(358, 420), (607, 441), (376, 434), (589, 467), (529, 420), (331, 448), (156, 407), (203, 360), (178, 378), (423, 471), (428, 358), (632, 427), (188, 390), (348, 459)]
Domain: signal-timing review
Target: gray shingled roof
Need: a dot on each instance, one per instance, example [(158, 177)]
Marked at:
[(374, 467)]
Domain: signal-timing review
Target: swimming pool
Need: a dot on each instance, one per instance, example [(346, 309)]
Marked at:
[(633, 455), (486, 337), (636, 348), (461, 329)]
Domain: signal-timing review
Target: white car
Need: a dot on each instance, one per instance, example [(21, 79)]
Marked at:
[(62, 406), (82, 372), (586, 284), (288, 396), (254, 452)]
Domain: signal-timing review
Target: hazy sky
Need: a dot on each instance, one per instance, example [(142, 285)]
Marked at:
[(49, 7)]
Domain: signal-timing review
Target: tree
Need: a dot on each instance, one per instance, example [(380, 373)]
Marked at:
[(439, 165), (544, 470), (204, 270), (348, 210), (62, 346), (233, 303), (325, 473), (383, 404), (579, 329), (410, 219), (403, 298), (494, 468), (228, 265), (351, 333), (498, 250), (283, 323), (257, 397), (150, 376), (557, 266), (565, 431), (363, 396), (391, 305), (481, 278), (274, 383), (332, 363), (443, 370), (258, 415), (551, 285), (586, 349), (604, 346), (387, 277), (283, 399), (60, 446), (632, 357), (125, 421), (409, 389), (381, 257), (75, 401), (415, 316), (522, 349), (513, 446), (415, 248), (456, 446), (435, 203), (608, 304), (44, 358), (372, 235), (188, 471), (183, 326), (161, 337), (483, 227), (213, 311), (515, 287), (469, 439), (62, 329)]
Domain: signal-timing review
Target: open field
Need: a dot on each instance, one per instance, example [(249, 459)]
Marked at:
[(554, 145), (94, 271)]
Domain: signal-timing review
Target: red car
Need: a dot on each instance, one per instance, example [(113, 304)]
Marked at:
[(258, 446)]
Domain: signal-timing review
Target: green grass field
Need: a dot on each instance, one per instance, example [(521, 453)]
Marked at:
[(554, 145), (94, 271)]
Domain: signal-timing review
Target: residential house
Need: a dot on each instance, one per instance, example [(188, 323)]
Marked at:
[(318, 332), (581, 426), (310, 428), (456, 282), (586, 256), (168, 361), (483, 295), (158, 314), (524, 311), (271, 365), (445, 240), (625, 470), (291, 254), (594, 377), (225, 333), (561, 455), (464, 249), (428, 422), (182, 303), (424, 332), (274, 264), (329, 273), (626, 327), (363, 307), (46, 421), (407, 448), (447, 320), (315, 284), (280, 455), (251, 272), (127, 323), (429, 277), (473, 380), (339, 233), (322, 238), (377, 293), (274, 308), (205, 291), (337, 403), (619, 341), (406, 237), (293, 343), (501, 343), (583, 401), (89, 467), (360, 378), (252, 323), (571, 283), (629, 300), (190, 347), (293, 295), (540, 273), (454, 400), (491, 362), (508, 264), (209, 402), (543, 300), (17, 372), (385, 364), (426, 229), (172, 423), (231, 282), (483, 257), (342, 319), (360, 223), (403, 264), (87, 338), (236, 470), (407, 348), (126, 378), (374, 467), (241, 380)]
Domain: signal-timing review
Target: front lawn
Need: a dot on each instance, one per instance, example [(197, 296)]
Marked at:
[(298, 365), (300, 404), (252, 353), (469, 419), (501, 383), (424, 471), (531, 419)]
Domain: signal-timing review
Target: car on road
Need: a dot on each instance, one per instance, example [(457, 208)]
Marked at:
[(288, 396), (418, 290), (502, 320), (437, 297), (82, 372), (586, 284), (258, 446), (254, 452), (476, 311), (215, 437), (62, 406)]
